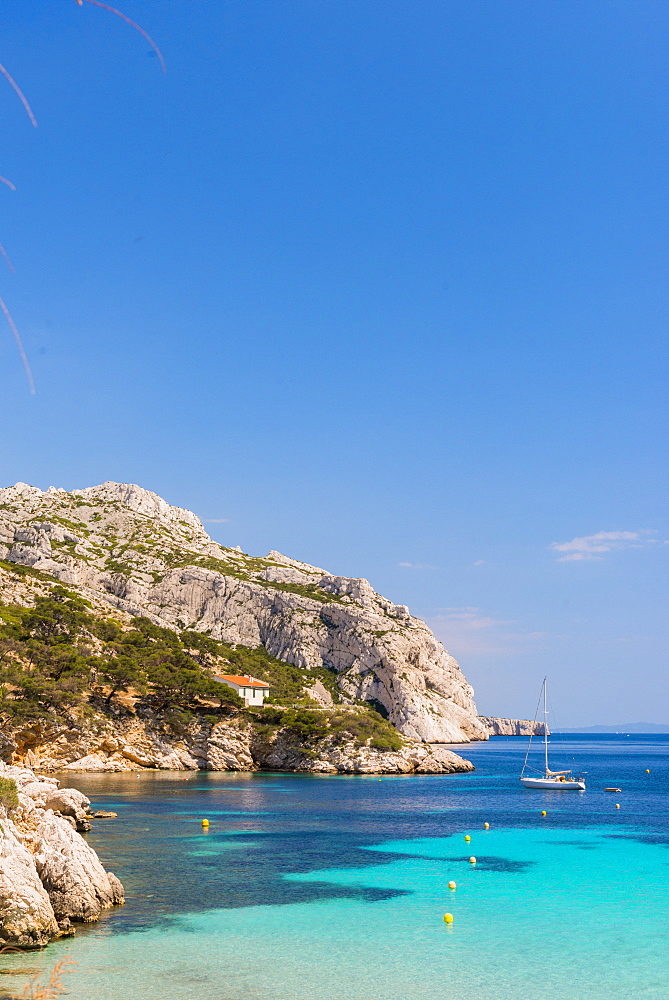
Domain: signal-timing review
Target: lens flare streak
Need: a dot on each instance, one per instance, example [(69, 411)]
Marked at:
[(17, 90), (4, 253), (3, 180), (19, 344), (133, 24)]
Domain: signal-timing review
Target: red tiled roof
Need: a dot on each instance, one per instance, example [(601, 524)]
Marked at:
[(242, 681)]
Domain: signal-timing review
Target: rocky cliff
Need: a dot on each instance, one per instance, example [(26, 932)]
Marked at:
[(87, 687), (127, 547), (131, 742), (512, 727), (49, 876)]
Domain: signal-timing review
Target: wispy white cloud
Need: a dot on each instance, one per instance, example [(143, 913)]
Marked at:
[(472, 618), (215, 520), (479, 562), (596, 546), (468, 631)]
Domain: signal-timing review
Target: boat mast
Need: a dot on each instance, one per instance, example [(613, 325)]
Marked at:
[(545, 730)]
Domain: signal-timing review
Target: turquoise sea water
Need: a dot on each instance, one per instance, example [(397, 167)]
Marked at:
[(320, 888)]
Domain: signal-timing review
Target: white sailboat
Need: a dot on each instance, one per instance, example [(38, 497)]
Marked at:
[(554, 780)]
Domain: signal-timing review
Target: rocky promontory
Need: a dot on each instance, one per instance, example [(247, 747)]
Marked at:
[(118, 614), (512, 727), (125, 546), (89, 688), (235, 743), (49, 876)]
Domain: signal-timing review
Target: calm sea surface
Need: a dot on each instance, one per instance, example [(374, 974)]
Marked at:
[(321, 888)]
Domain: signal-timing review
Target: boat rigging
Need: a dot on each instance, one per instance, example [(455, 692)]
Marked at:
[(556, 780)]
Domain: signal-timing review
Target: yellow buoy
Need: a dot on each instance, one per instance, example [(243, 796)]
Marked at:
[(448, 918), (647, 770), (543, 812), (472, 860), (467, 837), (617, 805), (452, 885), (486, 826), (205, 822)]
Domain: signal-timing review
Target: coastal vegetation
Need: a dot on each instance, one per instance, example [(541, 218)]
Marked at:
[(57, 655), (9, 796), (364, 725), (61, 659), (37, 987)]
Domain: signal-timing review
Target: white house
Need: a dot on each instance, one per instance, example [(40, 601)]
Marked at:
[(250, 689)]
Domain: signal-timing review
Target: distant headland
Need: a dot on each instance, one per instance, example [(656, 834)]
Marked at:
[(621, 727)]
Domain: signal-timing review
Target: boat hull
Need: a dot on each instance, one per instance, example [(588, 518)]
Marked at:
[(555, 786)]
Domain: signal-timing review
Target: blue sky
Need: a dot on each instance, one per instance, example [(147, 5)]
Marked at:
[(382, 284)]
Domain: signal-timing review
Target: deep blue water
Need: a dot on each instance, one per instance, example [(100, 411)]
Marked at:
[(315, 888)]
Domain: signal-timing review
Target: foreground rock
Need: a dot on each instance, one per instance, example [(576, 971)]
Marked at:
[(127, 547), (230, 745), (49, 876), (512, 727)]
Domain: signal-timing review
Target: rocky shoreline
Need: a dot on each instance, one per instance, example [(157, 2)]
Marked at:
[(135, 742), (115, 673), (50, 877)]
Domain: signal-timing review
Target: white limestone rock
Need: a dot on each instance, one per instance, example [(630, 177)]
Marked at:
[(227, 745), (229, 749), (73, 803), (125, 545), (78, 886), (279, 752), (93, 762), (512, 727), (27, 919), (49, 875), (319, 693)]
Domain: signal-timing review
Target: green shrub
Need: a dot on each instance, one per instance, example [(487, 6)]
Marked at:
[(178, 720), (305, 724), (391, 742), (308, 726), (9, 796), (367, 725), (269, 715)]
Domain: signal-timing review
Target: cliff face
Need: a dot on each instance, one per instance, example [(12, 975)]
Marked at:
[(49, 876), (128, 547), (127, 744), (512, 727)]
